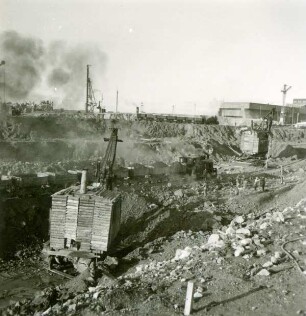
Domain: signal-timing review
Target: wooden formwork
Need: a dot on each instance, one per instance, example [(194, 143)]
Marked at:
[(90, 220), (84, 224), (71, 220), (58, 221)]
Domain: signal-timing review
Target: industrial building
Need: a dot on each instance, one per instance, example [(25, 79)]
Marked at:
[(243, 113), (299, 102)]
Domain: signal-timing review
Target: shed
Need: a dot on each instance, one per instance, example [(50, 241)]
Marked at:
[(254, 142), (178, 168), (140, 170), (121, 172), (160, 168), (32, 180), (64, 179), (90, 221)]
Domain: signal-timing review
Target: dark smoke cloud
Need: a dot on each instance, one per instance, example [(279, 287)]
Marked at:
[(62, 66), (58, 76), (24, 58), (69, 76)]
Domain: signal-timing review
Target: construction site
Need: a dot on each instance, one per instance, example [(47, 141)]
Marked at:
[(129, 216), (112, 212)]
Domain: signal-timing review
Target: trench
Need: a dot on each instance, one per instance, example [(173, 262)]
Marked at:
[(24, 221)]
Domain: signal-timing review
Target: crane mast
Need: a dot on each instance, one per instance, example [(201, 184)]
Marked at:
[(104, 172), (90, 97), (283, 111)]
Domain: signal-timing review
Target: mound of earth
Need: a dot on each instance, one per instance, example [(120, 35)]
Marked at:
[(290, 151)]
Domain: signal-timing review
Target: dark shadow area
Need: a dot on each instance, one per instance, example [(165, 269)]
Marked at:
[(232, 299), (290, 151)]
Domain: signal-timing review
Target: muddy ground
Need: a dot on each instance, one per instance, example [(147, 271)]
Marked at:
[(231, 246)]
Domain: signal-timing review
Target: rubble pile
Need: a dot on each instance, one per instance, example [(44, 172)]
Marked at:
[(162, 273), (239, 246)]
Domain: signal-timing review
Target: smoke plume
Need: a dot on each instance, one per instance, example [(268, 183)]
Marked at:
[(24, 63), (56, 71), (68, 75)]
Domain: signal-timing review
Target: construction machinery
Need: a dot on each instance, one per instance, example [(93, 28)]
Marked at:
[(265, 124), (104, 171), (85, 220), (198, 166), (255, 141), (91, 102)]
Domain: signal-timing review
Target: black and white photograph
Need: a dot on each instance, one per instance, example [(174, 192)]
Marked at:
[(153, 157)]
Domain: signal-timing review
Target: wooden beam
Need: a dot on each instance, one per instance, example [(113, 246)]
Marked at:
[(189, 299)]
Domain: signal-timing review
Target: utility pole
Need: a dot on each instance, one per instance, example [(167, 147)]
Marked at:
[(283, 111), (173, 107), (2, 64), (87, 89), (117, 100)]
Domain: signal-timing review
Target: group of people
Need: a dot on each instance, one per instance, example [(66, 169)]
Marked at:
[(240, 183), (260, 182)]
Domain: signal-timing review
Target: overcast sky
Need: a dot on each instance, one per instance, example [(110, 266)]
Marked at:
[(181, 53)]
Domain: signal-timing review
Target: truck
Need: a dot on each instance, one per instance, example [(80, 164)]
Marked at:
[(198, 166)]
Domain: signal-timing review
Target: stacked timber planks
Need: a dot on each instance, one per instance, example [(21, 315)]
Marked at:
[(72, 211), (84, 224), (101, 224), (92, 219), (57, 221)]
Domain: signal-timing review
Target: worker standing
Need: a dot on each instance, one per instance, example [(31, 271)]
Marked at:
[(205, 188), (256, 183), (238, 181), (263, 183), (234, 190), (281, 175), (205, 174)]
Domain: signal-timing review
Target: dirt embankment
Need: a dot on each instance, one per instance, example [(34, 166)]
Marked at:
[(79, 138), (288, 142), (75, 137)]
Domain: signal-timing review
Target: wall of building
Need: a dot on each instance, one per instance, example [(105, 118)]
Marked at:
[(299, 102), (239, 113), (232, 112)]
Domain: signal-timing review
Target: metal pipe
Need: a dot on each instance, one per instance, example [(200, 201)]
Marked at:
[(83, 187)]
